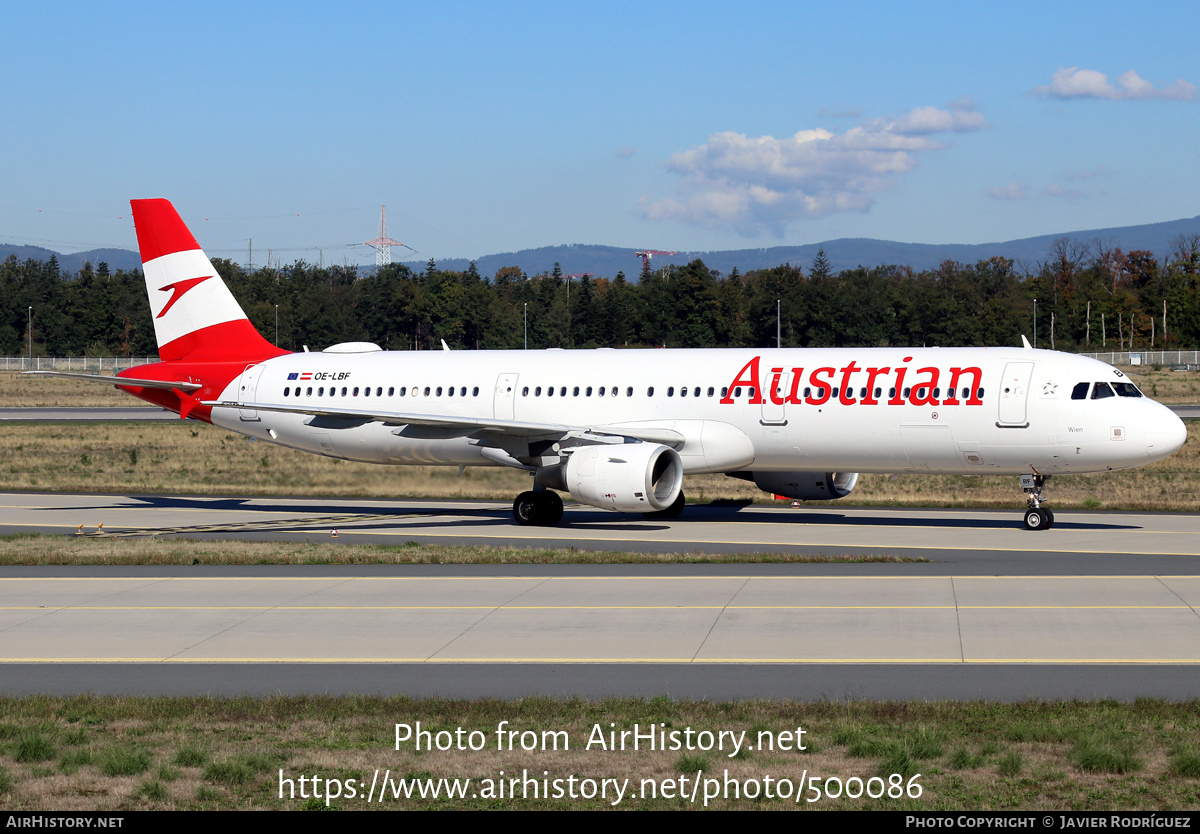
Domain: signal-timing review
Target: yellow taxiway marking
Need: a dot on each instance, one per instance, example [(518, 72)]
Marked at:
[(503, 607), (592, 577), (620, 660)]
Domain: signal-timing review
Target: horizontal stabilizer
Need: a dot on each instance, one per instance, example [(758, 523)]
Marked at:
[(124, 381)]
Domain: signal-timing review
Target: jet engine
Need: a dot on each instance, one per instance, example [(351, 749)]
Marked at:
[(627, 477), (811, 486)]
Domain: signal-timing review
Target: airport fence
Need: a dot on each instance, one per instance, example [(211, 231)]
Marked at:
[(1149, 357), (83, 364), (117, 363)]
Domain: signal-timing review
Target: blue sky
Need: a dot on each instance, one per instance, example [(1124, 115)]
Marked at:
[(491, 127)]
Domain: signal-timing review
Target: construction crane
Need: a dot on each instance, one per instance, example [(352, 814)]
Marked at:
[(645, 256)]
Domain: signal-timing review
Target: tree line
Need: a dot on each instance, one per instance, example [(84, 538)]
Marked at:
[(1086, 297)]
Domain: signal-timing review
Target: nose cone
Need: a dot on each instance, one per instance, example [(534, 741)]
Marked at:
[(1165, 433)]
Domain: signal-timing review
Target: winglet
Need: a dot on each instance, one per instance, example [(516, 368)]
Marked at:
[(445, 346), (1025, 343)]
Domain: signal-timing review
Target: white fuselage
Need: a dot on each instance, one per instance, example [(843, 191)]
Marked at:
[(1011, 411)]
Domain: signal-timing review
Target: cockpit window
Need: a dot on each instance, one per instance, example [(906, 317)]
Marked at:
[(1101, 391), (1126, 389), (1079, 392)]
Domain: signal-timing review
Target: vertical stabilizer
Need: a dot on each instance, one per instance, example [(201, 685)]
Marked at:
[(195, 315)]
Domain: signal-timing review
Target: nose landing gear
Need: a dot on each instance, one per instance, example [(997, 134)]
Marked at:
[(1037, 517)]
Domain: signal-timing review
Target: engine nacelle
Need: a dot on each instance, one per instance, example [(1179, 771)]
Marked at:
[(811, 486), (627, 477)]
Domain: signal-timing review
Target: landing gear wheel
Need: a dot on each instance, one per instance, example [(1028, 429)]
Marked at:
[(1039, 519), (525, 508), (541, 509), (672, 511), (552, 509)]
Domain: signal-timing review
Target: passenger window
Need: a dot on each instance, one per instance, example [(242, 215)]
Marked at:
[(629, 391), (724, 392), (1079, 392), (737, 392), (343, 391), (1102, 391), (439, 390), (614, 390), (891, 393), (562, 392), (287, 392), (671, 391), (696, 393), (600, 391), (878, 392), (550, 391), (834, 393), (575, 391), (427, 390), (683, 392), (650, 391), (710, 390), (475, 391), (308, 392), (524, 391), (537, 392), (392, 391), (450, 390), (356, 390), (589, 390), (807, 391)]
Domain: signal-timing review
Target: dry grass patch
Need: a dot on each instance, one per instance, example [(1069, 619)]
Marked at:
[(73, 550), (227, 753), (20, 391), (194, 458)]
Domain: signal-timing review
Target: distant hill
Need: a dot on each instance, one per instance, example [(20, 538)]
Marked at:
[(72, 263), (844, 253)]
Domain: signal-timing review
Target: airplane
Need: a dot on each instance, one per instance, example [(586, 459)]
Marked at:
[(618, 429)]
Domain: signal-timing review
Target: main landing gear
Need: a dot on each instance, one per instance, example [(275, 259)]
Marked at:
[(538, 508), (1037, 517)]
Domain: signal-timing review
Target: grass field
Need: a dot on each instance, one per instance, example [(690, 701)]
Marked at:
[(195, 458), (86, 550), (205, 753)]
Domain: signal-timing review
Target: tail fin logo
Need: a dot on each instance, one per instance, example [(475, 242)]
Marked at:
[(179, 288)]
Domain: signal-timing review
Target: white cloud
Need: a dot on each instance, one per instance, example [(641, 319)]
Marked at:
[(1056, 190), (762, 183), (1098, 171), (1073, 82), (1012, 191), (626, 152)]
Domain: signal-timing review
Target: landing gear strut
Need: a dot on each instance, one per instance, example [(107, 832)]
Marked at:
[(1037, 517), (540, 508)]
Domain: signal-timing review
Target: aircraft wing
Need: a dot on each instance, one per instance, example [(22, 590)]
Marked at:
[(128, 382), (468, 425)]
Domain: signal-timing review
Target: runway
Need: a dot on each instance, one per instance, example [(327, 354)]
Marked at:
[(1109, 611), (968, 541)]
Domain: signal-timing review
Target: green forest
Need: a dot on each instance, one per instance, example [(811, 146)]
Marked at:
[(1087, 298)]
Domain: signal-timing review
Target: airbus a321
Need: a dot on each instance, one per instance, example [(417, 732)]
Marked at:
[(618, 430)]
